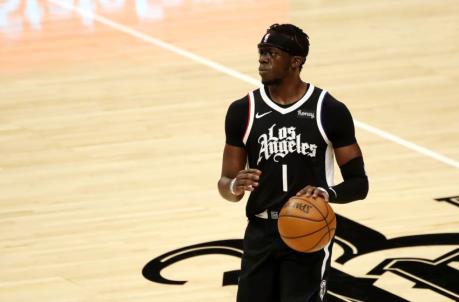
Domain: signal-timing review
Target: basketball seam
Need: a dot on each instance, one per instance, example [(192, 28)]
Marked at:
[(303, 235), (326, 222), (300, 217), (318, 241)]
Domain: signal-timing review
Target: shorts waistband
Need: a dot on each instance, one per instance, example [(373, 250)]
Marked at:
[(268, 214)]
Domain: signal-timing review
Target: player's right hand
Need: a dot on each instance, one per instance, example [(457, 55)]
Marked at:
[(246, 180)]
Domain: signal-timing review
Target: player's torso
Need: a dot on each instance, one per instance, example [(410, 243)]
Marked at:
[(288, 145)]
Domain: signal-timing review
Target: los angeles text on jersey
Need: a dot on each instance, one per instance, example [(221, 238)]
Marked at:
[(287, 141)]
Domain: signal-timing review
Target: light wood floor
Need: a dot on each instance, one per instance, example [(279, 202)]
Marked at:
[(111, 144)]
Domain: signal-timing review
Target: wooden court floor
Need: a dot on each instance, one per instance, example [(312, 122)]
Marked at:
[(111, 138)]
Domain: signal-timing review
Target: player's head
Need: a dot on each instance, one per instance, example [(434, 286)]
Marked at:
[(283, 49)]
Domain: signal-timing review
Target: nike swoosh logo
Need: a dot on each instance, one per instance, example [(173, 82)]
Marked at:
[(261, 115)]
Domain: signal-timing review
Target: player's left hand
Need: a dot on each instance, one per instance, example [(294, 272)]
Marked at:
[(311, 191)]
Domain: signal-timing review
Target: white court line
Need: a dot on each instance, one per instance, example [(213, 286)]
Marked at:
[(235, 74), (407, 144)]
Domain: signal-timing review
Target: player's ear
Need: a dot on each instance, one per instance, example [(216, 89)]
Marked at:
[(297, 62)]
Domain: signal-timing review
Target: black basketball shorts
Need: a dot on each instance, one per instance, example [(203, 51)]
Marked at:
[(273, 272)]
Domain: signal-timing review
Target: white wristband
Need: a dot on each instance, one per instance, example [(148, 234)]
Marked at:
[(231, 186)]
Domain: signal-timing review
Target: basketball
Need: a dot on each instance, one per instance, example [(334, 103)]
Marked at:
[(306, 224)]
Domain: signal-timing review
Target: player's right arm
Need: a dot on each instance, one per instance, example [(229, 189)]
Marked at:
[(235, 179)]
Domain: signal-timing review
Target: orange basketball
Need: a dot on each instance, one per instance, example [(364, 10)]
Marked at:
[(306, 224)]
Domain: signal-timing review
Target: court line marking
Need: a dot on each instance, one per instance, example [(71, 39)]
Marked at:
[(235, 74)]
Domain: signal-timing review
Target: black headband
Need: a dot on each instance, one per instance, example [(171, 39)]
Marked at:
[(282, 42)]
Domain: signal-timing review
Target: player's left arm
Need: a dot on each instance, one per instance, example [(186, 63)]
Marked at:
[(355, 181), (339, 127)]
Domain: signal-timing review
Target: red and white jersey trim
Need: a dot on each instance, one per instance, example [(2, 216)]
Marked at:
[(250, 119)]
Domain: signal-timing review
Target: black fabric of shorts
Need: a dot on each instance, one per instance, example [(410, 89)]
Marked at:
[(273, 272)]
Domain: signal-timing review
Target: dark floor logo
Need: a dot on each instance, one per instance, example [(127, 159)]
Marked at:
[(454, 200), (356, 240)]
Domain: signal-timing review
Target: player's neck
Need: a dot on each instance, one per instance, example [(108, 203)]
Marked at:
[(287, 92)]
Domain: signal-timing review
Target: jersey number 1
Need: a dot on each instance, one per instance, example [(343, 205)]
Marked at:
[(284, 178)]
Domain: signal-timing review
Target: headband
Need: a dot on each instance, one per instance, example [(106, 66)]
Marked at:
[(282, 42)]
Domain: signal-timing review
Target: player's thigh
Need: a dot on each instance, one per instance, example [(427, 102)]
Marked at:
[(258, 280), (300, 277)]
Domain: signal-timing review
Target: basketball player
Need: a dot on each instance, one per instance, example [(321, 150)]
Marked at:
[(281, 140)]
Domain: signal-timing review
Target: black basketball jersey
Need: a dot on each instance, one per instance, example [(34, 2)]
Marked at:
[(290, 147)]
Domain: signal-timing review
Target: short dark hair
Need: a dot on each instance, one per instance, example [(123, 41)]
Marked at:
[(295, 34)]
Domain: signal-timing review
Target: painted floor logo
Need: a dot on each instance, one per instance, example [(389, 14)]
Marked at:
[(454, 200), (356, 240)]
